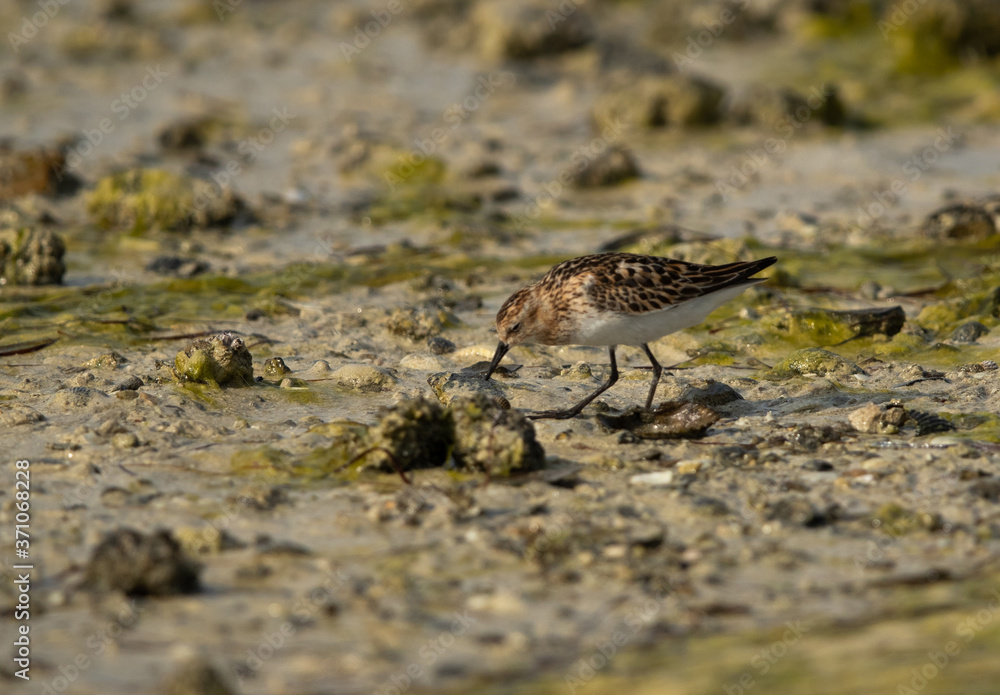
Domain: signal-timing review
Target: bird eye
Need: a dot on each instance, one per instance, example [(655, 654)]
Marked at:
[(516, 327)]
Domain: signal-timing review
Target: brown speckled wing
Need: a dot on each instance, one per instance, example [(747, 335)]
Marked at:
[(634, 284)]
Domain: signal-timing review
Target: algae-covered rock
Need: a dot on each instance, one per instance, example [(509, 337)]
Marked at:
[(419, 433), (831, 327), (939, 32), (363, 378), (949, 313), (815, 361), (524, 29), (493, 439), (613, 166), (222, 359), (31, 257), (138, 564), (669, 420), (141, 199), (659, 102)]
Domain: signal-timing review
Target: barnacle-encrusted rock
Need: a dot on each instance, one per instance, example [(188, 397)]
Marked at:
[(275, 368), (815, 361), (31, 257), (873, 419), (613, 166), (222, 359), (668, 420), (493, 439), (419, 434), (363, 378), (141, 565), (142, 199)]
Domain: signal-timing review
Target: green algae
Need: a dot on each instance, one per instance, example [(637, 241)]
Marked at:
[(814, 361), (222, 359), (139, 200)]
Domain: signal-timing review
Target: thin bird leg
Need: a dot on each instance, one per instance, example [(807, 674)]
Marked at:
[(657, 370), (575, 410)]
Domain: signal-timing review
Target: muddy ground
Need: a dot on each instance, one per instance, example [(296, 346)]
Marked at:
[(355, 189)]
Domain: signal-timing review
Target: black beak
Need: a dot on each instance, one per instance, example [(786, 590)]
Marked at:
[(502, 349)]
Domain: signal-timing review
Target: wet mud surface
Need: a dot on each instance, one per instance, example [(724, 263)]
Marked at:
[(326, 222)]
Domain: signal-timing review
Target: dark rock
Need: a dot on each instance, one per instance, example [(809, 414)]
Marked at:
[(440, 346), (674, 100), (41, 171), (817, 465), (133, 383), (416, 434), (177, 266), (613, 166), (196, 677), (969, 332), (962, 221), (795, 510), (141, 565), (526, 29), (929, 423), (669, 420)]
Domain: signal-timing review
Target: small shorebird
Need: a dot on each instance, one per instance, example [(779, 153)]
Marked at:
[(617, 299)]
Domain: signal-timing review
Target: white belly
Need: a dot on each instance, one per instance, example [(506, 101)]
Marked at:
[(635, 329)]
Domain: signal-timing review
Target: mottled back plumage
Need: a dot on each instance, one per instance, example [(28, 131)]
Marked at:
[(617, 299)]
